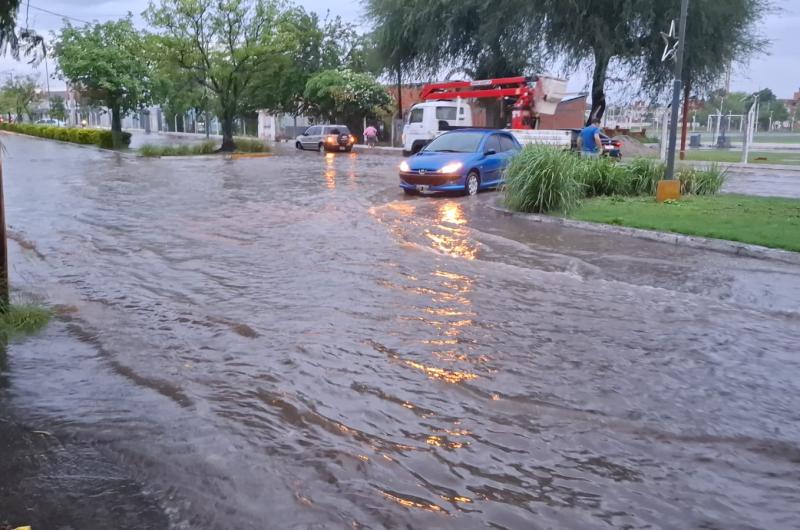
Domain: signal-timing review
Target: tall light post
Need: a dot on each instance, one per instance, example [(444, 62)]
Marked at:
[(670, 188)]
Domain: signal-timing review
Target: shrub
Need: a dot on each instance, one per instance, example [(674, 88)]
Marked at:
[(603, 177), (706, 181), (98, 137), (643, 175), (542, 179), (251, 146), (205, 148)]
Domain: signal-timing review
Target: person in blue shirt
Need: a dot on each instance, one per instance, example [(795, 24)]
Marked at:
[(589, 141)]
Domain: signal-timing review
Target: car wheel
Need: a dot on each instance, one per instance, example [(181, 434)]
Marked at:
[(299, 146), (321, 148), (473, 183)]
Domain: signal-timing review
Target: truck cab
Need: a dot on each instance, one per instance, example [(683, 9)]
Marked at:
[(429, 119)]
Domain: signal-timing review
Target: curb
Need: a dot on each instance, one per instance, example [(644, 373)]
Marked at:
[(704, 243)]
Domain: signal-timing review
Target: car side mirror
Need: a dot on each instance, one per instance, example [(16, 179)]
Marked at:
[(490, 152)]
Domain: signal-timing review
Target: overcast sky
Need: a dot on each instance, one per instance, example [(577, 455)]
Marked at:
[(780, 70)]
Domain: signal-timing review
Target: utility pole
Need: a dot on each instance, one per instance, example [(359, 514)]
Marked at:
[(4, 299), (669, 190)]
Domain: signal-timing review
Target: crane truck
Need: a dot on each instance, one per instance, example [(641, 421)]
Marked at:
[(444, 107)]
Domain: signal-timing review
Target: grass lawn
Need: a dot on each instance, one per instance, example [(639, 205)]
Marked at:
[(770, 222), (756, 157)]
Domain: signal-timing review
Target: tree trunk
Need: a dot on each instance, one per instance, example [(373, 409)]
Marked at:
[(601, 61), (228, 145), (399, 94), (116, 126), (687, 87)]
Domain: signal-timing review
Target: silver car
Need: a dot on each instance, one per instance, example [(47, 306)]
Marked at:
[(324, 138)]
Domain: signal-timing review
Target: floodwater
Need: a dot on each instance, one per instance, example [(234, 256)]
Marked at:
[(289, 342)]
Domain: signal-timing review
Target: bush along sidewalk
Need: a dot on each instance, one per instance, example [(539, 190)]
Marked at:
[(98, 137), (205, 148), (543, 179)]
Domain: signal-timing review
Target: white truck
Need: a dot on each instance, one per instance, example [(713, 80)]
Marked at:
[(444, 108)]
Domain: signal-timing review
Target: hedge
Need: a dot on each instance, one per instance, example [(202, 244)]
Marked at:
[(99, 137)]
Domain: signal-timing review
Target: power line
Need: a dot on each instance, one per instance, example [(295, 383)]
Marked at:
[(43, 10)]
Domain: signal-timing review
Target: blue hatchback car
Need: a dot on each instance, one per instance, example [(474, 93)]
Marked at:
[(464, 160)]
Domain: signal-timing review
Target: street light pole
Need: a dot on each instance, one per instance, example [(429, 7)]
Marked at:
[(676, 92)]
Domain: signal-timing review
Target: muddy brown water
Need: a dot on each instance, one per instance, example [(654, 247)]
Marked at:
[(291, 343)]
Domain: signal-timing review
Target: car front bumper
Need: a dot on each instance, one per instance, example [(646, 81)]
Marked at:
[(431, 182)]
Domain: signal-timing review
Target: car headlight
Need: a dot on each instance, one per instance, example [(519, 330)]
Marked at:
[(452, 167), (404, 166)]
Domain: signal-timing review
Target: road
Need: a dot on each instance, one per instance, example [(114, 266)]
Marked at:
[(289, 342)]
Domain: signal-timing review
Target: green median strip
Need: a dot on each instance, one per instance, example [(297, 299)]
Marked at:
[(770, 222)]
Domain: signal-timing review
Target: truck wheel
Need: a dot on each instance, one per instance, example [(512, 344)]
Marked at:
[(473, 183)]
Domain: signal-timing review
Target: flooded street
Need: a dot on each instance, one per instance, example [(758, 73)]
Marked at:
[(290, 342)]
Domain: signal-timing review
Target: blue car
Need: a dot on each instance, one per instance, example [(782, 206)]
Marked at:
[(464, 161)]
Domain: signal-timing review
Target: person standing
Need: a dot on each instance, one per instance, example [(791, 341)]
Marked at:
[(371, 134), (589, 142)]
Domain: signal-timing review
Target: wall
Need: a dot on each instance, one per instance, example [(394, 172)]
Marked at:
[(569, 115)]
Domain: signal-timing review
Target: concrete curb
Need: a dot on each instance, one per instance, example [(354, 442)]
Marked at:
[(704, 243), (398, 151)]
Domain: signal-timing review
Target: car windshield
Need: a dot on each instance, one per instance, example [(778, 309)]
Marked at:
[(455, 142)]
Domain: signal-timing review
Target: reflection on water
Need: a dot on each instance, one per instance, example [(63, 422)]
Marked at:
[(454, 241), (330, 171)]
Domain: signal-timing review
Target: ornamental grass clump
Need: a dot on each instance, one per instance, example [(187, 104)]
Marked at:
[(706, 181), (603, 177), (542, 179), (643, 176)]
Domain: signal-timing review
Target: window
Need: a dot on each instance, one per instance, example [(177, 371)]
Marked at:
[(507, 144), (313, 131), (445, 113), (415, 116), (455, 142), (493, 143)]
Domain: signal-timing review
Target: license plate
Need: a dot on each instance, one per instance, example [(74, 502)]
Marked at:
[(422, 188), (341, 148)]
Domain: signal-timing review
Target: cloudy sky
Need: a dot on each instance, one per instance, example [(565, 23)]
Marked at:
[(779, 70)]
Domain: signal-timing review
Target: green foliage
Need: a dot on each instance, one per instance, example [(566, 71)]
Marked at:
[(17, 95), (543, 179), (22, 319), (105, 62), (345, 96), (485, 39), (718, 33), (251, 146), (58, 110), (205, 148), (702, 181), (223, 45), (643, 176), (98, 137)]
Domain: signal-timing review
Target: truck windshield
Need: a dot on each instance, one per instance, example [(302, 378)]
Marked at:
[(456, 142)]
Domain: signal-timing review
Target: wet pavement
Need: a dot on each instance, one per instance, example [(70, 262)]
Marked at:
[(289, 342)]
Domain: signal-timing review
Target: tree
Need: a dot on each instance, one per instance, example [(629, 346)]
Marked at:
[(175, 89), (58, 111), (104, 62), (17, 95), (345, 96), (718, 34), (25, 41), (223, 44), (482, 39)]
